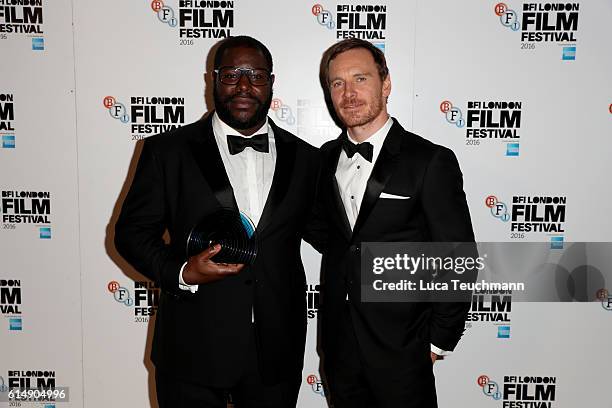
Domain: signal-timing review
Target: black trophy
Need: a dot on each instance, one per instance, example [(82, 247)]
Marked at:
[(233, 230)]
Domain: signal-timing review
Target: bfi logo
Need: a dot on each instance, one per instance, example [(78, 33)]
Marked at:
[(489, 388), (454, 116), (324, 17), (508, 18), (116, 109), (606, 299), (316, 384), (282, 112), (165, 14), (121, 294), (499, 210)]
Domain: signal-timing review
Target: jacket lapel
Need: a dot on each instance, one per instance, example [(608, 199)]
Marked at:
[(341, 218), (206, 154), (385, 166), (283, 172)]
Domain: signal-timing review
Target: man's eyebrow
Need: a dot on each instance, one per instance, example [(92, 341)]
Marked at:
[(369, 74)]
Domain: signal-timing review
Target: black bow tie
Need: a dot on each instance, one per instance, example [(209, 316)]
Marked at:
[(258, 142), (365, 149)]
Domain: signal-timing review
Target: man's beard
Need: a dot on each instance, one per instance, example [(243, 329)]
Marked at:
[(361, 118), (226, 115)]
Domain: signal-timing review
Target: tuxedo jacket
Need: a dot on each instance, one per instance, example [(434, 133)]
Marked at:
[(391, 335), (202, 337)]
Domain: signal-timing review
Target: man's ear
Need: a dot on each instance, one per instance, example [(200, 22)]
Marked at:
[(272, 79), (386, 86)]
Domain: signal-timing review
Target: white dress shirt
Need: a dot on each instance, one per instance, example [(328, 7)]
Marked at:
[(352, 176), (352, 173), (250, 173)]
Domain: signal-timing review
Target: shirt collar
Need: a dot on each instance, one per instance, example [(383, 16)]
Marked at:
[(377, 139)]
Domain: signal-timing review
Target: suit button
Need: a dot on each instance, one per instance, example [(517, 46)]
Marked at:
[(354, 248), (248, 282)]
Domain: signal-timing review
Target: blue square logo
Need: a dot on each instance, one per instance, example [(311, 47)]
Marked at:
[(556, 243), (512, 149), (49, 406), (569, 54), (503, 332), (8, 141), (45, 232), (38, 44), (15, 323)]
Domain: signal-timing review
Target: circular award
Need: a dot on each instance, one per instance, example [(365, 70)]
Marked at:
[(233, 230)]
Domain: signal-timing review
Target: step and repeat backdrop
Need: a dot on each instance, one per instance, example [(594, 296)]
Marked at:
[(519, 90)]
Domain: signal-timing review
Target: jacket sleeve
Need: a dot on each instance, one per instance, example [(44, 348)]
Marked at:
[(142, 222), (448, 220), (316, 227)]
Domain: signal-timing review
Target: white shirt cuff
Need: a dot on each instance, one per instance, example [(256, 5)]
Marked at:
[(185, 286), (439, 351)]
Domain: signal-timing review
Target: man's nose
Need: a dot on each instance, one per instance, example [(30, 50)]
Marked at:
[(243, 81), (349, 90)]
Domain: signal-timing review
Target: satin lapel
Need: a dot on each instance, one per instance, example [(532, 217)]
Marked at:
[(381, 173), (283, 172), (206, 154), (340, 217)]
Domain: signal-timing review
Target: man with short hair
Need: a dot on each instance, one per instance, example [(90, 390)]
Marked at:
[(381, 183), (223, 328)]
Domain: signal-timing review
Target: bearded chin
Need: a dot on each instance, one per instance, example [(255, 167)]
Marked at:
[(232, 121), (361, 119)]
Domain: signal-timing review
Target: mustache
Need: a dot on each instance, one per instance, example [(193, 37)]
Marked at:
[(351, 102), (241, 95), (350, 105)]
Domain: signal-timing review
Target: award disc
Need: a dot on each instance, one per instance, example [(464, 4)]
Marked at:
[(233, 230)]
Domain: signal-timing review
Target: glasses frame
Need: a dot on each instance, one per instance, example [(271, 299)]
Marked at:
[(244, 71)]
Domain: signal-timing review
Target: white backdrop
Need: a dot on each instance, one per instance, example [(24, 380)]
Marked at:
[(80, 313)]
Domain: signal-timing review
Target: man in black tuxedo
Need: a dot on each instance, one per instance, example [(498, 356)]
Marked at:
[(380, 183), (222, 328)]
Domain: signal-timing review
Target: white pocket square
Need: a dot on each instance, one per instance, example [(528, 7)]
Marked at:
[(393, 196)]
